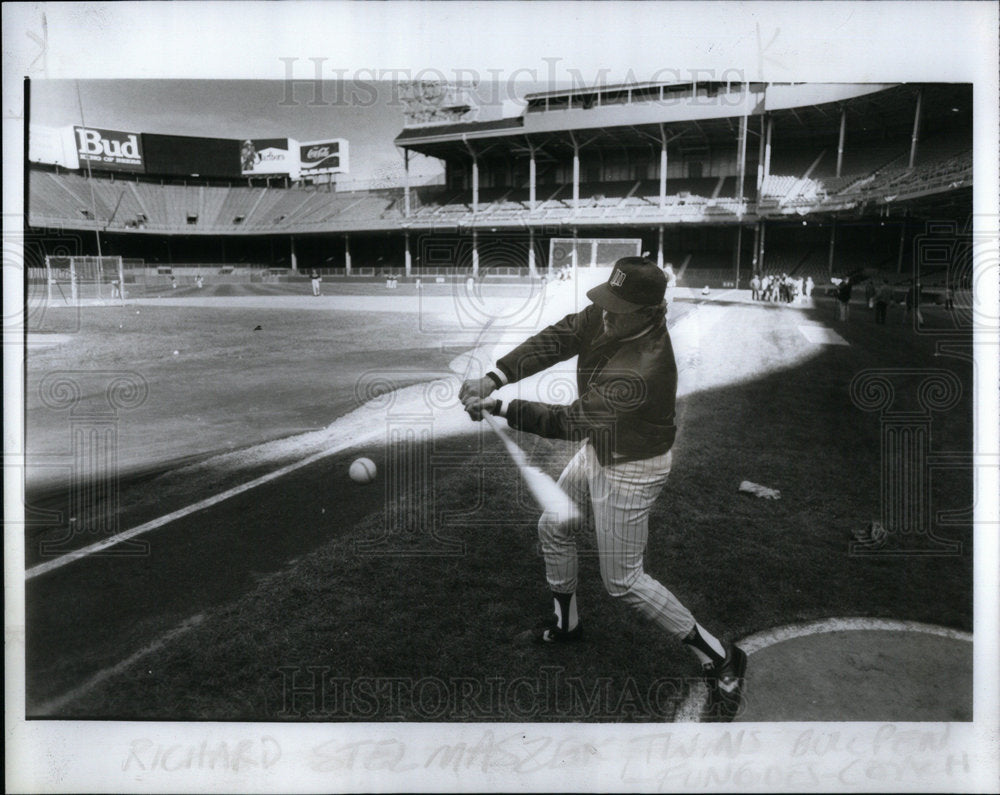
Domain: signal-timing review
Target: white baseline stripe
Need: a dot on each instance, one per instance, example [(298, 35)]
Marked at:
[(690, 711), (110, 541), (208, 502), (56, 704)]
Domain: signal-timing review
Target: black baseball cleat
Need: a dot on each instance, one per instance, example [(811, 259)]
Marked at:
[(549, 633), (725, 685)]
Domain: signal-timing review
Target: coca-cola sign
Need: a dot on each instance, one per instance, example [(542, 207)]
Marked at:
[(108, 149), (323, 157)]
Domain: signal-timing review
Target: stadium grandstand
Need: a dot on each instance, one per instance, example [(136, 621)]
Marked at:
[(719, 179)]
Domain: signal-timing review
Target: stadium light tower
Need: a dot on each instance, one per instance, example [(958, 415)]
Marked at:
[(90, 180)]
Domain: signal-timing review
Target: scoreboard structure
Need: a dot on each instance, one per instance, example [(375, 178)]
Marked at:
[(98, 149)]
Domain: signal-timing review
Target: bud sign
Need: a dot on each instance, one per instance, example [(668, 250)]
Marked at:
[(108, 149)]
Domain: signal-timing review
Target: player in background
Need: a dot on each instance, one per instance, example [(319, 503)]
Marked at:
[(668, 271), (883, 297), (912, 304), (624, 417), (844, 290), (315, 278)]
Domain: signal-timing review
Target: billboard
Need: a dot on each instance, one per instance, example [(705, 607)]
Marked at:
[(267, 156), (55, 145), (323, 157), (110, 150), (182, 155)]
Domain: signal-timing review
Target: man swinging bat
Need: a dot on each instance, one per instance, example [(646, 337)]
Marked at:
[(624, 415)]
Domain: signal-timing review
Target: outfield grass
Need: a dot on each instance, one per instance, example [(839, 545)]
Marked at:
[(285, 591), (228, 385)]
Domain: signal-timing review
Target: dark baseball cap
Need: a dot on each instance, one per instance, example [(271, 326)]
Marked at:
[(634, 282)]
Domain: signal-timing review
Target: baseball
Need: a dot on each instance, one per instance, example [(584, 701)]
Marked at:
[(362, 471)]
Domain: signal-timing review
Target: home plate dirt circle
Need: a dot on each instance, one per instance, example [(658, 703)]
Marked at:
[(853, 669)]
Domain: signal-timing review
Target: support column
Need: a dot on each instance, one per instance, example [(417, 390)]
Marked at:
[(663, 167), (291, 254), (754, 265), (916, 128), (475, 185), (347, 255), (767, 149), (760, 172), (576, 177), (840, 142), (475, 252), (531, 180), (833, 241), (407, 256), (573, 254), (741, 161), (532, 269), (760, 258), (902, 243), (406, 183), (739, 246), (659, 247)]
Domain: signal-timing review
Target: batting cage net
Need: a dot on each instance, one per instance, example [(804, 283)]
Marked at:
[(591, 252), (71, 280)]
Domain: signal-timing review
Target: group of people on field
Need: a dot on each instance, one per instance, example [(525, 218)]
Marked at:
[(781, 289), (879, 295)]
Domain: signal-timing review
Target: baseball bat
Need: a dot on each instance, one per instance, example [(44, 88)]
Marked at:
[(547, 493)]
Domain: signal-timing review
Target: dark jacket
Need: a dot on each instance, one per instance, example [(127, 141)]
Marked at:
[(627, 389)]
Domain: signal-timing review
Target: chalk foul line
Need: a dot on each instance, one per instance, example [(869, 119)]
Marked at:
[(208, 502), (690, 711)]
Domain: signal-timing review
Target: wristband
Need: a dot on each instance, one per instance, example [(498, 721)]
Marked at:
[(495, 411), (494, 378)]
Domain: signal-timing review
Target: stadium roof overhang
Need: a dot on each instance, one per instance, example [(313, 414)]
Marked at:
[(886, 113), (512, 142), (868, 111)]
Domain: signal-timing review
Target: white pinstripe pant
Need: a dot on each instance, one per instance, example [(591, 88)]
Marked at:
[(621, 495)]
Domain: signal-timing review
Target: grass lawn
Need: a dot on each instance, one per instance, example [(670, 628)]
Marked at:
[(289, 596)]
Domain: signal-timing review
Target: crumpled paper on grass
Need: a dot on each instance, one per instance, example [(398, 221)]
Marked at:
[(756, 489)]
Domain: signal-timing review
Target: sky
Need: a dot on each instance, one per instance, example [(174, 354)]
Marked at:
[(364, 114), (367, 113)]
